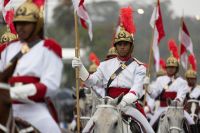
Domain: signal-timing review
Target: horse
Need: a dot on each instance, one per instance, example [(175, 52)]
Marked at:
[(172, 121), (9, 124), (192, 107), (108, 118)]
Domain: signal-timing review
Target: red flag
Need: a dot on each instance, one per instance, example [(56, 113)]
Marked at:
[(159, 33), (186, 45), (83, 15), (6, 2)]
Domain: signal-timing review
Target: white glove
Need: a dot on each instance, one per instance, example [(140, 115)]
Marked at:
[(146, 109), (146, 80), (84, 74), (22, 93), (128, 99)]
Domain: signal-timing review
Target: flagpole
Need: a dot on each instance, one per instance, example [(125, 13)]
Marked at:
[(181, 24), (77, 54), (150, 57)]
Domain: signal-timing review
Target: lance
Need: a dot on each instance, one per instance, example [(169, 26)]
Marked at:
[(77, 54), (150, 57)]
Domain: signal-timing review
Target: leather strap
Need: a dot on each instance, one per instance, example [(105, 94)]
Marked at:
[(118, 71), (20, 53)]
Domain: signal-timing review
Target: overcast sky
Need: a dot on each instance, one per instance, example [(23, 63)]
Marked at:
[(189, 7)]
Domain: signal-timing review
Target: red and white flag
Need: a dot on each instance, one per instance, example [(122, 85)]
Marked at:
[(83, 15), (159, 33), (186, 45)]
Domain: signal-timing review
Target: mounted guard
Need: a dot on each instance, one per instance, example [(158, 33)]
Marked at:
[(37, 75), (122, 74)]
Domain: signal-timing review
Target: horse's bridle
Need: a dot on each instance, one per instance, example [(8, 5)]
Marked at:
[(174, 127), (115, 108), (9, 124)]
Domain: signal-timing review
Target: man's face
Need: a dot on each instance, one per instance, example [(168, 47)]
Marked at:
[(24, 30), (123, 48), (191, 81), (171, 71)]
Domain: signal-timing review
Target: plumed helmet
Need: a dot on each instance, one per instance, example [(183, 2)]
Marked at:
[(8, 37), (173, 60), (162, 70), (93, 68), (95, 62), (30, 12), (191, 72), (126, 29)]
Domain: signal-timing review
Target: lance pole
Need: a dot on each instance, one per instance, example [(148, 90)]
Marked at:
[(77, 54), (150, 56)]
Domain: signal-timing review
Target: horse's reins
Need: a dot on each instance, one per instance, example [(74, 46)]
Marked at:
[(9, 124), (111, 106)]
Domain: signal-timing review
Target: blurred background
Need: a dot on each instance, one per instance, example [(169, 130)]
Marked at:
[(59, 24)]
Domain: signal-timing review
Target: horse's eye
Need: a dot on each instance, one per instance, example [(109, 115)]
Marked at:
[(168, 118), (115, 124)]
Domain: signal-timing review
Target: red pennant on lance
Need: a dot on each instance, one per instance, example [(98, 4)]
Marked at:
[(83, 15), (159, 24), (186, 45), (159, 33), (6, 2)]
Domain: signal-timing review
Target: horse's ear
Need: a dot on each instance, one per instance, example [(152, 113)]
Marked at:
[(119, 98), (169, 101)]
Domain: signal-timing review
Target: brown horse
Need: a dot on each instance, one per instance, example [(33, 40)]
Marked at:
[(9, 124)]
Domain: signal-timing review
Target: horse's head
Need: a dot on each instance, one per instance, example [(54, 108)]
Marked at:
[(173, 119), (107, 118), (192, 107)]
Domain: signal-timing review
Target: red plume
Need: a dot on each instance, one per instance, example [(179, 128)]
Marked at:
[(9, 20), (93, 58), (173, 48), (192, 61), (126, 19), (162, 63), (39, 3)]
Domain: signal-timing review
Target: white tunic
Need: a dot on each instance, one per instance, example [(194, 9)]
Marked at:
[(131, 77), (195, 92), (39, 62), (179, 86)]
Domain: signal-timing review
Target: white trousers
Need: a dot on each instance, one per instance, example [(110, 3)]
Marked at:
[(38, 115), (163, 109)]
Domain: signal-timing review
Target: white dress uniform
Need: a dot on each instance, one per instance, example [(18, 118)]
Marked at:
[(195, 93), (176, 90), (130, 79), (42, 66)]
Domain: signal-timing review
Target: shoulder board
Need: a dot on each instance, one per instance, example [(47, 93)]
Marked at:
[(139, 62), (54, 46), (4, 45)]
